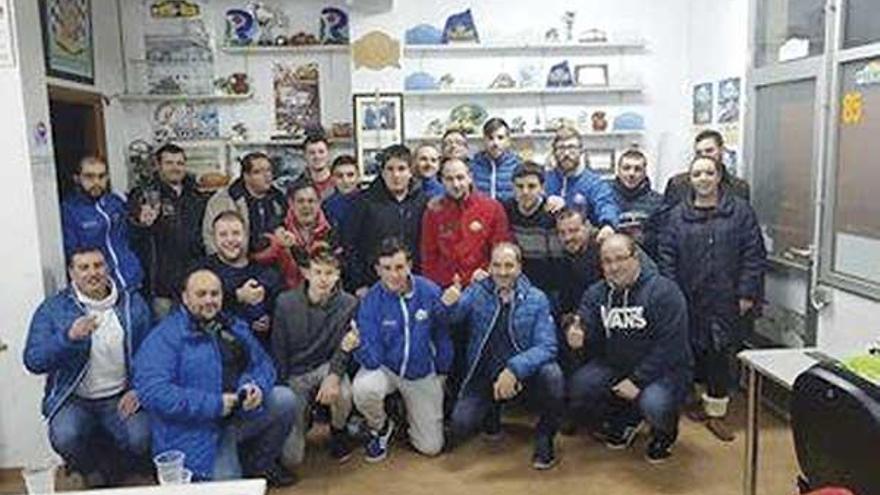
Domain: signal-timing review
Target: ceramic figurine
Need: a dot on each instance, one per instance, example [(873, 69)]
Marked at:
[(552, 35), (446, 81), (529, 77), (424, 34), (460, 28), (599, 122), (434, 128), (503, 81), (241, 28), (568, 21), (560, 76), (518, 125), (239, 131), (593, 36), (239, 84), (334, 26)]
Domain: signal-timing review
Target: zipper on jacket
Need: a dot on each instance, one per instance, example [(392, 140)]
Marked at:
[(406, 336), (110, 250), (473, 367), (493, 178), (510, 333)]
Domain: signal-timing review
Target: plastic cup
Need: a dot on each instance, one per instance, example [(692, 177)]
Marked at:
[(39, 479), (169, 467), (186, 477)]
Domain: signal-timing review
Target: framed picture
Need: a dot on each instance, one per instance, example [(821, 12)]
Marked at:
[(67, 39), (703, 99), (591, 74), (378, 122), (601, 161)]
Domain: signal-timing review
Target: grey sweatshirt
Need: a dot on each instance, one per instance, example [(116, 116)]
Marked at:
[(306, 335)]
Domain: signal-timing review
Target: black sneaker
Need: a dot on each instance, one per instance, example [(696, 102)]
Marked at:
[(492, 424), (544, 457), (659, 448), (279, 476), (617, 438), (339, 447)]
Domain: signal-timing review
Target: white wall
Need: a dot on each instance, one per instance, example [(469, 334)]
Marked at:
[(662, 68), (30, 217)]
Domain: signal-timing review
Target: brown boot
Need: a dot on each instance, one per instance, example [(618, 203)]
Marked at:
[(720, 428)]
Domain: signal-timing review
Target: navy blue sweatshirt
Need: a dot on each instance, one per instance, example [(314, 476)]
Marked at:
[(641, 331)]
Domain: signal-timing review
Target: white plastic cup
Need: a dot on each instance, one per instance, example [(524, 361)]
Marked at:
[(39, 479), (186, 477), (169, 467)]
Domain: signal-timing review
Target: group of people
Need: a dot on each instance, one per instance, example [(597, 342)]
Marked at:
[(225, 323)]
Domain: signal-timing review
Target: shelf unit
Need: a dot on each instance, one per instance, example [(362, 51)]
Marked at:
[(543, 136), (523, 49), (236, 143), (152, 98), (572, 90), (305, 49)]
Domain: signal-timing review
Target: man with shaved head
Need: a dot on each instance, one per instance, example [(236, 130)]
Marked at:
[(511, 349), (631, 329), (210, 389)]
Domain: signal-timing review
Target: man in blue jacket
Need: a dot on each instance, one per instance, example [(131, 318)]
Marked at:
[(210, 390), (493, 167), (511, 348), (633, 330), (570, 184), (83, 339), (95, 216), (405, 347)]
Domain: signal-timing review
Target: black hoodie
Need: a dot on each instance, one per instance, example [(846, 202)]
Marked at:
[(376, 215), (640, 331)]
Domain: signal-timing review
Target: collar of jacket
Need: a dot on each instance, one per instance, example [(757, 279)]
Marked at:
[(520, 287), (237, 190), (388, 293), (643, 277), (188, 186), (465, 203), (724, 209), (631, 194), (80, 196), (322, 225), (192, 327), (378, 191)]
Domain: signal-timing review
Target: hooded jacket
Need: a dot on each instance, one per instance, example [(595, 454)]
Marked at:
[(169, 246), (457, 236), (586, 192), (179, 380), (640, 331), (376, 215), (50, 351), (637, 206), (492, 177), (717, 257), (102, 223), (406, 334), (289, 259), (530, 327)]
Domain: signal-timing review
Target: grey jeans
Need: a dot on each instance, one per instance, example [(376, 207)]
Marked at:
[(423, 399), (306, 387)]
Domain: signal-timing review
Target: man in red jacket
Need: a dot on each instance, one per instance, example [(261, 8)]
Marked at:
[(460, 228)]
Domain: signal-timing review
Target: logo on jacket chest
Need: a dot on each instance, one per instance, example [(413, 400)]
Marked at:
[(626, 318)]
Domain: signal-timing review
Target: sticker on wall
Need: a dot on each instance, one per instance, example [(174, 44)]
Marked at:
[(728, 100), (702, 104), (184, 121), (869, 74), (297, 101), (851, 109), (376, 50), (171, 9)]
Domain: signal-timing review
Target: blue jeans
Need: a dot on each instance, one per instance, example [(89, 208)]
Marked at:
[(252, 445), (83, 429), (545, 389), (593, 401)]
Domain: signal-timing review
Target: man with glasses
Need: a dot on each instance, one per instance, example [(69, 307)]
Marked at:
[(633, 327), (261, 205), (570, 184)]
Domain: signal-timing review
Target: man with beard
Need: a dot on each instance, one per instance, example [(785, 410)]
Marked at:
[(571, 184), (166, 216), (493, 167), (83, 339), (95, 216), (209, 388)]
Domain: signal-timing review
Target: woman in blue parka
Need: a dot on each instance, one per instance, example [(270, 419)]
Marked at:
[(713, 247)]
